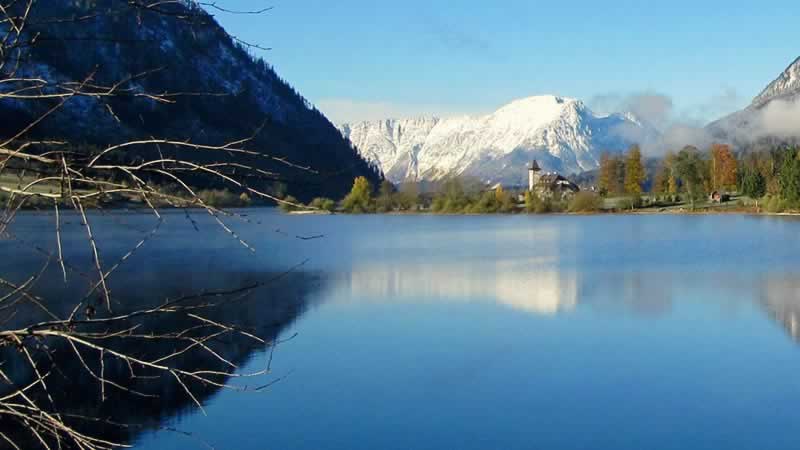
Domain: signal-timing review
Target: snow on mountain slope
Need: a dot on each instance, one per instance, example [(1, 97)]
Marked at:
[(774, 113), (561, 133), (786, 85)]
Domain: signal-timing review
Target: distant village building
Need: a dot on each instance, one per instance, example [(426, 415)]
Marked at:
[(549, 184), (718, 197)]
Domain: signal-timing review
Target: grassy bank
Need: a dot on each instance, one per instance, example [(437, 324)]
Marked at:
[(42, 194)]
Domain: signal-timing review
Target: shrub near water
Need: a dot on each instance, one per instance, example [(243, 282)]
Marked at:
[(223, 198), (632, 202), (289, 206), (496, 201), (776, 204), (584, 202), (324, 204)]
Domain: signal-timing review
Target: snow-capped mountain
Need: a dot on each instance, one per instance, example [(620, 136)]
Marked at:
[(774, 113), (786, 86), (561, 133)]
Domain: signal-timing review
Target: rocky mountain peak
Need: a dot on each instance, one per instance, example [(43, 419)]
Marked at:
[(560, 132), (785, 86)]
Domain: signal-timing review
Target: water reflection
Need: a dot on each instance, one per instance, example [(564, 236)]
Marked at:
[(780, 296), (264, 312), (529, 286), (524, 285), (510, 283), (426, 327), (644, 294)]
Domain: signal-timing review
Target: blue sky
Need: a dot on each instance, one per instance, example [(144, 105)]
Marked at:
[(358, 59)]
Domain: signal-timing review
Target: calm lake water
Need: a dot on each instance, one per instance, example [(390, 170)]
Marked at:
[(483, 332)]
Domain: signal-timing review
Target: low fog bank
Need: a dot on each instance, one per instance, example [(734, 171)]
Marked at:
[(668, 129)]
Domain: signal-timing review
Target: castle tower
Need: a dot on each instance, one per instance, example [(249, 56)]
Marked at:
[(534, 175)]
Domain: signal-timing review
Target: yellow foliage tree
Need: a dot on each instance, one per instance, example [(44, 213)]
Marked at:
[(499, 194), (359, 200), (634, 172), (672, 180)]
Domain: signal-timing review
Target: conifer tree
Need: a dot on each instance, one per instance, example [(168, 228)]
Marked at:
[(754, 185), (789, 177)]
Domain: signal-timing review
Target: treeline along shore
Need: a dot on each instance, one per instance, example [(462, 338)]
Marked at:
[(714, 180)]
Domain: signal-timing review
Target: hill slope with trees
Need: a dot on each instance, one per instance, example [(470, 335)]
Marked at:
[(222, 93)]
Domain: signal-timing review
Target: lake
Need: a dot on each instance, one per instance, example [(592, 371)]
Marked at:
[(476, 332)]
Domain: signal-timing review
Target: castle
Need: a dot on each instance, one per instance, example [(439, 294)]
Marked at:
[(549, 184)]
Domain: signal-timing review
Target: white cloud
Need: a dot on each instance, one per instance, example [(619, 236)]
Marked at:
[(780, 118), (660, 110), (678, 127), (719, 105)]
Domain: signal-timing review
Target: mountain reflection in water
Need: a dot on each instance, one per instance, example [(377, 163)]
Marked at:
[(780, 296), (524, 286), (506, 282), (265, 311)]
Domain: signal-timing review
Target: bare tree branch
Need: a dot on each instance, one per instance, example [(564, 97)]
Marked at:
[(117, 347)]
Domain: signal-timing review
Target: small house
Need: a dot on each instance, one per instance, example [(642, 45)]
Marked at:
[(718, 197)]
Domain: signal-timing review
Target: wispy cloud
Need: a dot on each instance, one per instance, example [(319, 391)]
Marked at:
[(456, 38), (716, 106), (654, 108), (677, 127), (780, 118), (343, 110), (660, 110)]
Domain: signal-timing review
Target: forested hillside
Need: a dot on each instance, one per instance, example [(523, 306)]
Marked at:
[(211, 90)]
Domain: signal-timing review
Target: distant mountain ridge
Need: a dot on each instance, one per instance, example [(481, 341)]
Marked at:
[(189, 56), (561, 133)]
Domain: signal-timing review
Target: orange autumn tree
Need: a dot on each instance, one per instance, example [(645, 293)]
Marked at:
[(723, 167), (610, 178)]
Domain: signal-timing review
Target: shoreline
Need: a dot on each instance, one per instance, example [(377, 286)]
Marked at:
[(593, 213), (642, 212)]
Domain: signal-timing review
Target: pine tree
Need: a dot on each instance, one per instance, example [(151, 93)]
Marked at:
[(789, 177), (753, 184)]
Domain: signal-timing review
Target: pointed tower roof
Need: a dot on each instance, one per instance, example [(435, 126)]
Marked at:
[(535, 166)]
